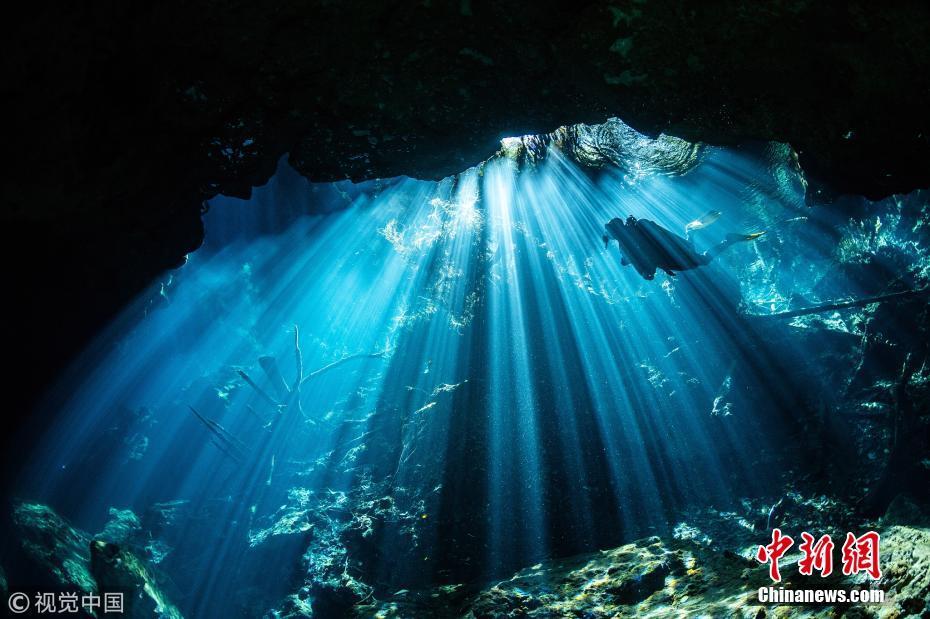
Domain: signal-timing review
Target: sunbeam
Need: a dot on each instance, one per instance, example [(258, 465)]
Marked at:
[(459, 374)]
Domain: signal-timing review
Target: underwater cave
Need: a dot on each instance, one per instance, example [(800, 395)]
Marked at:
[(356, 395), (468, 311)]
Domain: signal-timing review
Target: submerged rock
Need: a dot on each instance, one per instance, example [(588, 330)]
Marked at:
[(610, 143), (293, 518), (122, 527), (906, 570), (649, 577), (117, 569), (79, 561), (903, 510), (600, 584), (162, 521), (341, 532), (55, 545), (683, 576)]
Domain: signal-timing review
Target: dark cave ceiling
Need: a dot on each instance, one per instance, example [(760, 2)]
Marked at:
[(123, 118)]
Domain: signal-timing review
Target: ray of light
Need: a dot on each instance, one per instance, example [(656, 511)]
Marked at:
[(518, 386)]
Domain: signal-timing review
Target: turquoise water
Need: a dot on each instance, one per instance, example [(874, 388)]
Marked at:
[(408, 382)]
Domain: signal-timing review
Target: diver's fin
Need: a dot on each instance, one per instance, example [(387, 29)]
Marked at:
[(730, 240), (736, 237), (702, 222)]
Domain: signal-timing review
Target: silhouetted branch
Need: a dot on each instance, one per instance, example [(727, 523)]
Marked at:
[(223, 439), (337, 363), (844, 304), (298, 359), (291, 395), (258, 389)]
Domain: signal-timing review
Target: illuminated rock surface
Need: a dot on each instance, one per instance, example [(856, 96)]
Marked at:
[(79, 562), (683, 576)]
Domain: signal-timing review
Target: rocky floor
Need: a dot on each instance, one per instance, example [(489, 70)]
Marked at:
[(705, 568), (684, 577)]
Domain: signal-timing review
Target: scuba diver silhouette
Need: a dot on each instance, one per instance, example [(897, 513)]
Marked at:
[(648, 246)]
